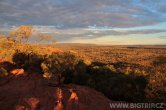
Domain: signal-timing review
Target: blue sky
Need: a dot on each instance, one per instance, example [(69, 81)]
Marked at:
[(116, 22)]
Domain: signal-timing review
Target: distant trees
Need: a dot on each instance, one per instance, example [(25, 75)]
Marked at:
[(54, 41), (45, 38)]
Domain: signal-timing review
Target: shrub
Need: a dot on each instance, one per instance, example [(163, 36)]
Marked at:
[(112, 68), (60, 64), (34, 62), (29, 61), (102, 69), (80, 75), (19, 58), (117, 86)]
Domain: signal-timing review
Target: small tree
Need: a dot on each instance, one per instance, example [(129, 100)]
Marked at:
[(54, 41), (22, 32), (42, 37)]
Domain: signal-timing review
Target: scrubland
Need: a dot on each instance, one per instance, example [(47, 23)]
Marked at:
[(121, 73), (147, 61)]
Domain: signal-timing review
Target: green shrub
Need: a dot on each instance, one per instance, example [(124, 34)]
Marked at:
[(61, 65), (34, 61), (117, 86), (19, 58), (112, 68), (29, 61)]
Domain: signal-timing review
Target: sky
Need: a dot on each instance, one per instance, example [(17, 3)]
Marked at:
[(110, 22)]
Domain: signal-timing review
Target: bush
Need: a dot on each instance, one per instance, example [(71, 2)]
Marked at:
[(60, 64), (29, 61), (117, 86), (80, 75), (19, 58)]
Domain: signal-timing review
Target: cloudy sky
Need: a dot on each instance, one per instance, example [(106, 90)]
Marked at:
[(90, 21)]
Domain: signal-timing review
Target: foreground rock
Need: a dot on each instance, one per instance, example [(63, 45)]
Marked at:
[(32, 92), (17, 71)]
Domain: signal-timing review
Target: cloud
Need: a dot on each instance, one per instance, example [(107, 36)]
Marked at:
[(93, 20), (100, 35), (91, 33), (162, 37), (82, 13)]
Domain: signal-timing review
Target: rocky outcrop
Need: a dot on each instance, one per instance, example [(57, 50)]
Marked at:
[(17, 71), (32, 92)]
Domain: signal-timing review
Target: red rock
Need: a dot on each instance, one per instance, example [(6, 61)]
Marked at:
[(17, 71)]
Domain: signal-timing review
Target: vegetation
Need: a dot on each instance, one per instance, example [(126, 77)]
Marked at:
[(23, 32), (28, 61), (45, 38), (117, 80), (60, 64)]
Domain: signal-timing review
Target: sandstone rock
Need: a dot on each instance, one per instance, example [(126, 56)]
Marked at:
[(17, 71), (32, 93)]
